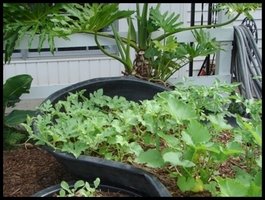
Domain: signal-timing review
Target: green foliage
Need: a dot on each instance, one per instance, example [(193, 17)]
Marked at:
[(244, 8), (17, 116), (182, 131), (80, 189), (152, 157), (47, 21), (13, 88), (164, 54), (169, 23), (30, 20), (12, 137)]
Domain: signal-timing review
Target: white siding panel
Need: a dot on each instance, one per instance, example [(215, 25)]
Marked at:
[(31, 69), (94, 69), (73, 71), (21, 69), (84, 70), (42, 73), (53, 73), (116, 68), (63, 72), (9, 71)]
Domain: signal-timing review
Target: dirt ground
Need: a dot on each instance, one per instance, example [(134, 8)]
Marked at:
[(27, 170)]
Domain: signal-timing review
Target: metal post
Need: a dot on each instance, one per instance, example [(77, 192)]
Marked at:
[(192, 18)]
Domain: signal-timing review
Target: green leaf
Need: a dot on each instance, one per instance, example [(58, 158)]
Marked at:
[(174, 159), (14, 87), (96, 182), (254, 190), (62, 193), (219, 121), (135, 148), (211, 187), (259, 161), (78, 184), (169, 46), (198, 132), (168, 23), (11, 138), (79, 147), (151, 157), (231, 187), (233, 148), (186, 184), (180, 110), (18, 116), (65, 186), (187, 138), (171, 140)]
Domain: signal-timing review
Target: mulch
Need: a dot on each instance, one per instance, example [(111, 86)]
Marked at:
[(28, 170)]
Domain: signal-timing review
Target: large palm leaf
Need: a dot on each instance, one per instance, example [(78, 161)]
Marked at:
[(54, 20)]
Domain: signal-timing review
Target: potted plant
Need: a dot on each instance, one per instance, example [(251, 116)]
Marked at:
[(158, 52), (82, 188), (171, 134)]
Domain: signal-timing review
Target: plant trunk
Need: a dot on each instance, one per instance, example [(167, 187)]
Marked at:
[(141, 66)]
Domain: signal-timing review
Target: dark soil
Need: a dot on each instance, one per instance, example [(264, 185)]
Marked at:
[(29, 169)]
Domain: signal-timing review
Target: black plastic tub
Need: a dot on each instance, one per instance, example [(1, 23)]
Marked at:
[(131, 88), (112, 173), (53, 190)]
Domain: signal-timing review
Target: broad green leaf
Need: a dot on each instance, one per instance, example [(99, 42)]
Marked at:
[(121, 140), (231, 187), (233, 148), (174, 159), (258, 178), (78, 184), (185, 184), (14, 87), (151, 157), (171, 140), (219, 121), (198, 132), (62, 193), (254, 190), (199, 186), (180, 110), (211, 187), (65, 186), (18, 116), (79, 147), (187, 138), (135, 148)]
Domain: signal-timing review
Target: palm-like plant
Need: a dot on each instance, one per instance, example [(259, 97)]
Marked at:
[(156, 58)]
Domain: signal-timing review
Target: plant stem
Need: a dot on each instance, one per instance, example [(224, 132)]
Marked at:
[(196, 27), (131, 43), (143, 28), (127, 68)]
